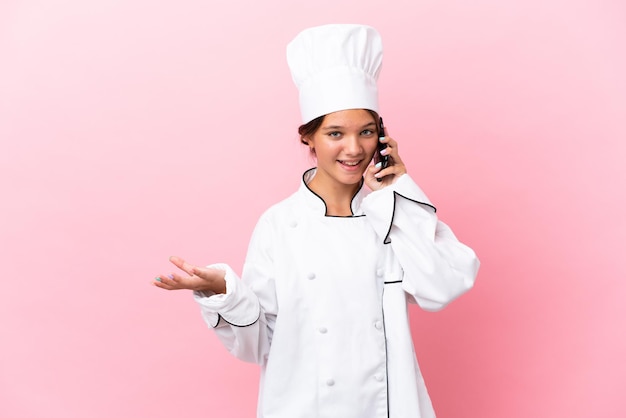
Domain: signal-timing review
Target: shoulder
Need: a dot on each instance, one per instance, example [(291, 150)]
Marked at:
[(273, 222), (276, 214)]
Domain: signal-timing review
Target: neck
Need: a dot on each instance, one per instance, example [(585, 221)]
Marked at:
[(338, 197)]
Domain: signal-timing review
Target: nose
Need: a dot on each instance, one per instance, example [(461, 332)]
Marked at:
[(353, 145)]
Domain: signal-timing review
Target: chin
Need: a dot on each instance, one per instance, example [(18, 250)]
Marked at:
[(351, 179)]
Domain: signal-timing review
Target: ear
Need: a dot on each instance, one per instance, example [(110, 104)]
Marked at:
[(309, 144)]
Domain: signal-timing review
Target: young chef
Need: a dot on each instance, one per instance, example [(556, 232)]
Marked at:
[(322, 302)]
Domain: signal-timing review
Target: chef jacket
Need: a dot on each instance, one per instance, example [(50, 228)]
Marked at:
[(322, 302)]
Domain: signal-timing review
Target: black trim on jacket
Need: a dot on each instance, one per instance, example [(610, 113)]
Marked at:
[(220, 317), (324, 202), (393, 213)]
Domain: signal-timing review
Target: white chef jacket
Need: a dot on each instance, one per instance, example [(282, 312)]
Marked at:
[(322, 303)]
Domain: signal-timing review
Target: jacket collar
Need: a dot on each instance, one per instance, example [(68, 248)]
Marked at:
[(315, 202)]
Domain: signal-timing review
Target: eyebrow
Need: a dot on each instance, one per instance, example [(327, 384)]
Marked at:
[(342, 127)]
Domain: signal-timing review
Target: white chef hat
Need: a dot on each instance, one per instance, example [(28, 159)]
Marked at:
[(335, 67)]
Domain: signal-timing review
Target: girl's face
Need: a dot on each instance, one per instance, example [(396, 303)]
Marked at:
[(344, 146)]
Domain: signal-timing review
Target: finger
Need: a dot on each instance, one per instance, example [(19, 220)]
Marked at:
[(397, 161), (392, 151), (381, 166), (209, 274), (201, 272), (399, 169), (372, 182), (162, 286), (182, 264), (168, 280), (374, 168), (387, 140), (396, 168), (158, 282), (175, 281), (370, 171), (391, 142), (382, 173)]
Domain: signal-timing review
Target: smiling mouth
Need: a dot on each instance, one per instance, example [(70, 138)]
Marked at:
[(350, 163)]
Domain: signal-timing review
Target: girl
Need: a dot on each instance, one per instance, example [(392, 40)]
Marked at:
[(322, 303)]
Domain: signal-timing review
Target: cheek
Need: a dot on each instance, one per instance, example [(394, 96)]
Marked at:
[(327, 148), (372, 147)]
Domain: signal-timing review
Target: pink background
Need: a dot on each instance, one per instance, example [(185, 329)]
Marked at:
[(132, 130)]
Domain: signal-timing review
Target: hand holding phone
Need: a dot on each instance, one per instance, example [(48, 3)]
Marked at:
[(383, 159)]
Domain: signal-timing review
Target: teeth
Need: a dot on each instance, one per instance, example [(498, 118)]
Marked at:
[(350, 163)]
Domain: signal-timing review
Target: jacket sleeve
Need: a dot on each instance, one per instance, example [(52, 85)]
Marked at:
[(437, 268), (243, 318)]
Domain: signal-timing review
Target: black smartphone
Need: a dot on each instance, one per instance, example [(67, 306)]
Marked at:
[(383, 159)]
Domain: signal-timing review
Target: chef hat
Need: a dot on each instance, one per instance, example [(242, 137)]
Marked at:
[(335, 67)]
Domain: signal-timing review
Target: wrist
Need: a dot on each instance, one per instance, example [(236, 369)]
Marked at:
[(220, 286), (218, 283)]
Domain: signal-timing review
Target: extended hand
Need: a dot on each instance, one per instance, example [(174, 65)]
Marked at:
[(201, 279)]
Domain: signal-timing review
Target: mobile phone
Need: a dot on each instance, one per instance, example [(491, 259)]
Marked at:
[(383, 159)]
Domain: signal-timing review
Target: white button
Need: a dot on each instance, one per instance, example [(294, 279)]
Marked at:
[(379, 377), (293, 224), (378, 325), (330, 382), (380, 272), (311, 276), (322, 330)]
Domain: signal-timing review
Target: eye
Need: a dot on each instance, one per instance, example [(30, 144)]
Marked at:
[(334, 134), (367, 132)]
